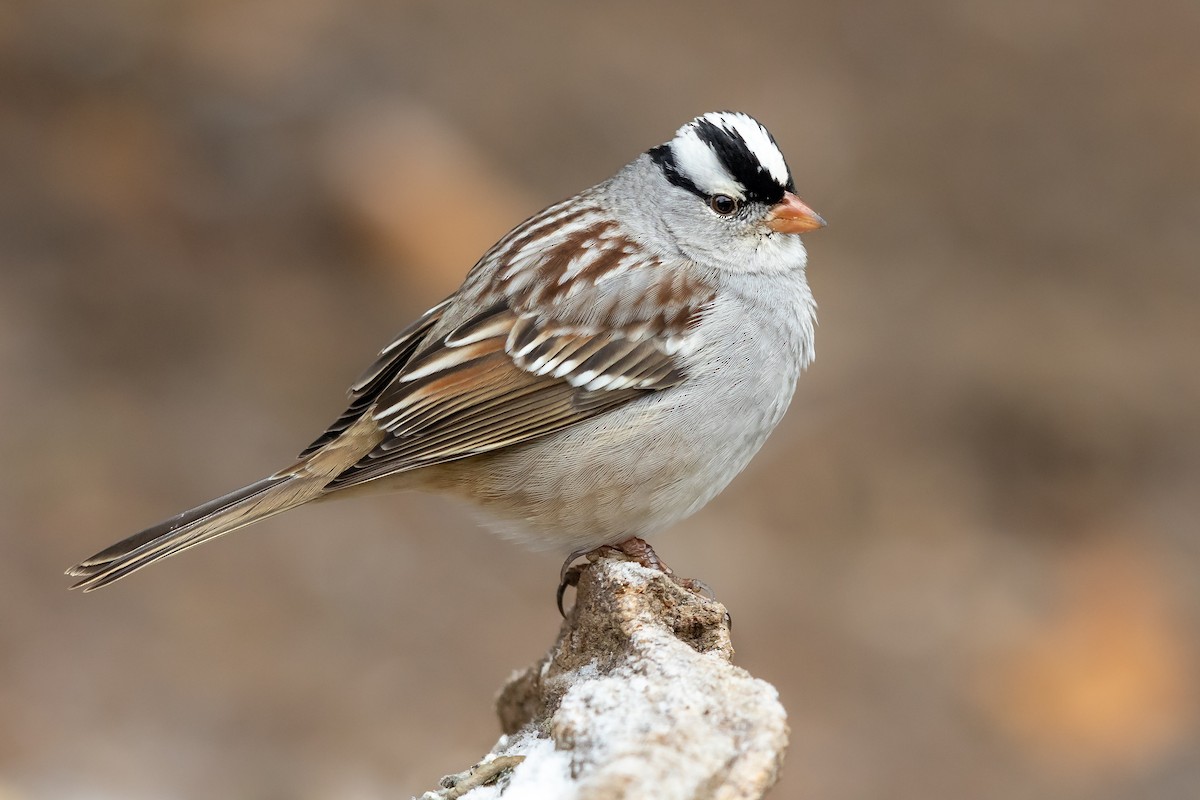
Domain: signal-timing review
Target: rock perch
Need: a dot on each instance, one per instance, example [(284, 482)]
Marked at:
[(636, 699)]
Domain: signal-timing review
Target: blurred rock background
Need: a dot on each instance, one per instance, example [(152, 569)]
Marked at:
[(968, 559)]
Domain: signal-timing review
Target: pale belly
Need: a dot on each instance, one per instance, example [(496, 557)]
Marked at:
[(646, 465)]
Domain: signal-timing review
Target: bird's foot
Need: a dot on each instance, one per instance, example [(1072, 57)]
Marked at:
[(632, 549)]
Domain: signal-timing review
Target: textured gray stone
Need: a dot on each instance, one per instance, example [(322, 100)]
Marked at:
[(637, 698)]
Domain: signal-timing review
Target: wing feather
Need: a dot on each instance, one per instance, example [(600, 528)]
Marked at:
[(364, 391), (543, 353)]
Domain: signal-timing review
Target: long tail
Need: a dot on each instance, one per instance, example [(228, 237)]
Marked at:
[(215, 518)]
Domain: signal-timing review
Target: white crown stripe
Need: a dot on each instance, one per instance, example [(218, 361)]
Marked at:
[(695, 158), (757, 139)]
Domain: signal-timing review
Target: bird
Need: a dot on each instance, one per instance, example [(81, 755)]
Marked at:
[(604, 370)]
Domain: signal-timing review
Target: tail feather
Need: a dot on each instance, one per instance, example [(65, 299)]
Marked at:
[(215, 518)]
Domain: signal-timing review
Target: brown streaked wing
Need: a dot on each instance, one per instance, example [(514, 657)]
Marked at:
[(480, 403), (386, 366), (535, 361)]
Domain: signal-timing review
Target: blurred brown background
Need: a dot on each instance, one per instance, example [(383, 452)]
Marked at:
[(968, 559)]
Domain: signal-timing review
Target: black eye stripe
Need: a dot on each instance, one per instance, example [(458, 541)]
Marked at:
[(664, 156)]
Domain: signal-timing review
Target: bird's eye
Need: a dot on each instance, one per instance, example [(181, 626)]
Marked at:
[(723, 204)]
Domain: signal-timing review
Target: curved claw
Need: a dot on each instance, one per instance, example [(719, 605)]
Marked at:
[(633, 549), (558, 598), (568, 576)]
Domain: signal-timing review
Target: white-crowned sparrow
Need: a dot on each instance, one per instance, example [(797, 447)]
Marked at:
[(604, 370)]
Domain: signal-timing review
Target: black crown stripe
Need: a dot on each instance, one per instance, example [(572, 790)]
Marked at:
[(741, 162)]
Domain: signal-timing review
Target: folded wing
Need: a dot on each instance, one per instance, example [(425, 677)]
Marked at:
[(524, 367)]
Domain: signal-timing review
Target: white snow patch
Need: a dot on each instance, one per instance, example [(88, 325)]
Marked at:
[(545, 774)]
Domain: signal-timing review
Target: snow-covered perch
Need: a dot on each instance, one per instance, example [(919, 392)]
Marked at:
[(636, 699)]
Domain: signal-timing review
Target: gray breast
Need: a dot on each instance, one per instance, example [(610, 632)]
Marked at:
[(648, 464)]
